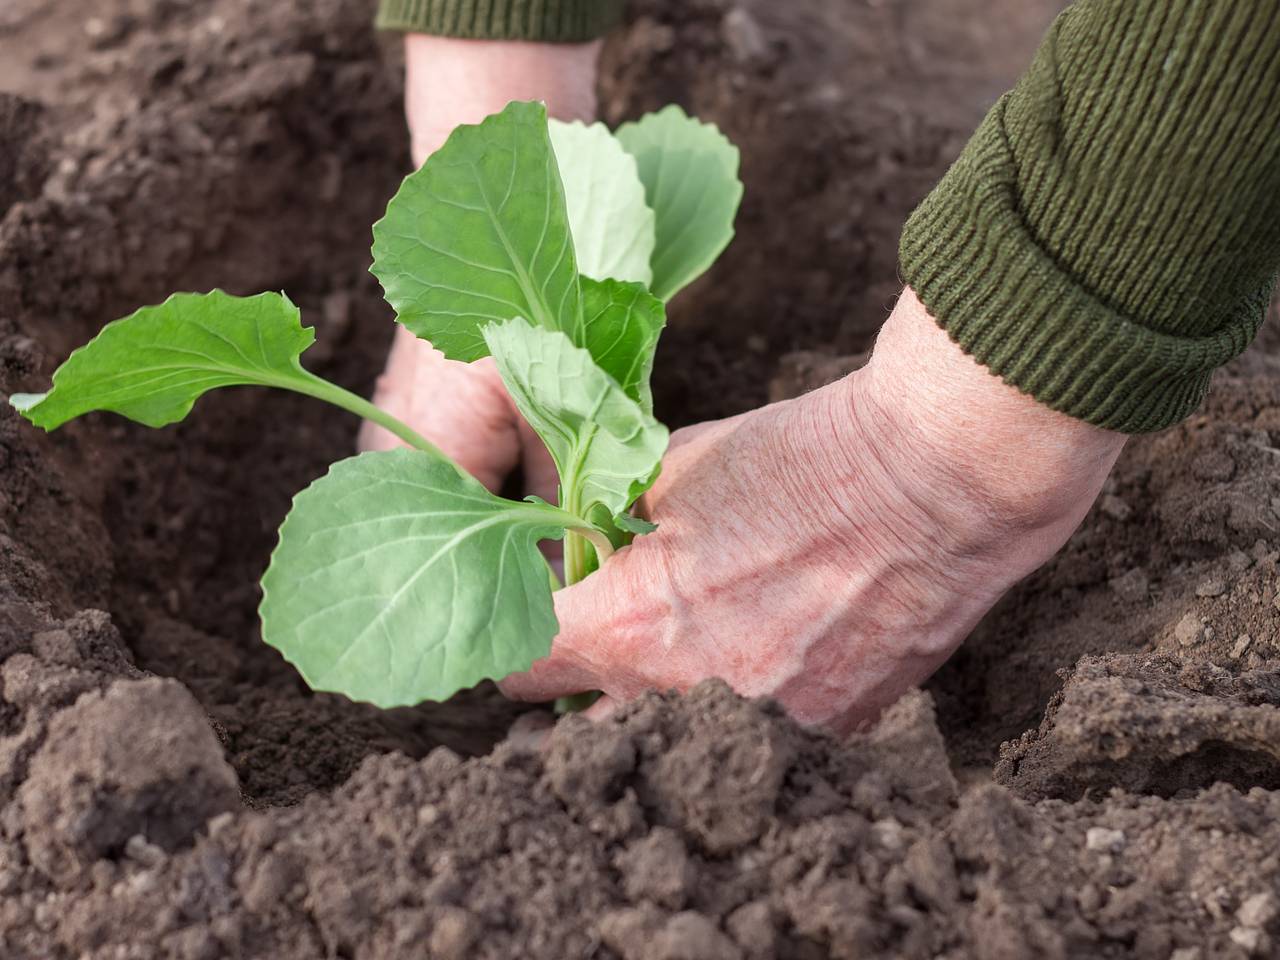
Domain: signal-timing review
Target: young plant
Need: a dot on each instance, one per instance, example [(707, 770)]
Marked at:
[(552, 248)]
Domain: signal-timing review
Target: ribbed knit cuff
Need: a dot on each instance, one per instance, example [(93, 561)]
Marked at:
[(969, 257), (1111, 233), (550, 21)]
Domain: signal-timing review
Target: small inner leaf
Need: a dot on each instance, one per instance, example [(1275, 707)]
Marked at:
[(633, 524), (623, 322), (612, 225), (690, 173), (608, 450), (481, 235), (398, 579), (153, 365)]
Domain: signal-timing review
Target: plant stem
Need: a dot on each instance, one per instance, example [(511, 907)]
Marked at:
[(577, 702), (577, 537), (575, 551), (575, 558), (322, 389)]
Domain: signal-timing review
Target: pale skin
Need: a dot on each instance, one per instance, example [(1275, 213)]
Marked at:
[(830, 551)]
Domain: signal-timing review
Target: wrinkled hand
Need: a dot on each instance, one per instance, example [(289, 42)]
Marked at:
[(832, 551), (464, 408)]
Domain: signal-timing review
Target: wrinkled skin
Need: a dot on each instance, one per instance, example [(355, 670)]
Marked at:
[(830, 551)]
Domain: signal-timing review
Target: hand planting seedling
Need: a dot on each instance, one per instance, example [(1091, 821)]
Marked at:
[(552, 248)]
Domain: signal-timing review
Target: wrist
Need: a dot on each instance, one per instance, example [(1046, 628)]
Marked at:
[(950, 419), (449, 81)]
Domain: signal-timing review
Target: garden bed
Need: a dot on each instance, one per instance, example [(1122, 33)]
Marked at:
[(1095, 774)]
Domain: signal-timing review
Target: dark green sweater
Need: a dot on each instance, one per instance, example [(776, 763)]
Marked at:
[(558, 21), (1111, 234)]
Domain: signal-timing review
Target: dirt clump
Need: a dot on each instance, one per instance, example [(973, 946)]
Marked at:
[(1150, 725), (134, 766), (838, 852)]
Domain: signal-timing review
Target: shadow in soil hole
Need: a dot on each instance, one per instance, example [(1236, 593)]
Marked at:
[(1183, 776)]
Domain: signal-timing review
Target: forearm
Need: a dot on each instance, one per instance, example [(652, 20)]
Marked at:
[(449, 81), (1111, 233), (466, 59)]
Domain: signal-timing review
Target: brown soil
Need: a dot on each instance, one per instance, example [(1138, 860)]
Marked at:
[(168, 788)]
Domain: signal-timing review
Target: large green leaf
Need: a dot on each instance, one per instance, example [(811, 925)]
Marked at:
[(480, 235), (399, 579), (153, 365), (690, 174), (623, 322), (606, 448), (612, 225)]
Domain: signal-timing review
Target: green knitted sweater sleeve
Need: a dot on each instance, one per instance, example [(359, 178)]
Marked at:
[(552, 21), (1111, 234)]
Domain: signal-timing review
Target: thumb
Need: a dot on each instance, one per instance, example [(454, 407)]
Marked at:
[(570, 667)]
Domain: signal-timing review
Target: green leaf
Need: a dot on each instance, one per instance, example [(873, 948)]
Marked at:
[(154, 364), (481, 235), (623, 322), (612, 225), (607, 449), (398, 579), (636, 525), (690, 174)]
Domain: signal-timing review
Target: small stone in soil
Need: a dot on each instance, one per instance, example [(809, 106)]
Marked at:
[(428, 814), (1252, 940), (1115, 508), (1262, 553), (888, 833), (1242, 644), (1132, 586), (1104, 839), (336, 310), (1238, 561), (743, 36), (1189, 629), (1258, 910), (454, 934), (140, 850), (1212, 587), (752, 927)]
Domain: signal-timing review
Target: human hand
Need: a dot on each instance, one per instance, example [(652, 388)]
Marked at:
[(832, 551), (464, 408)]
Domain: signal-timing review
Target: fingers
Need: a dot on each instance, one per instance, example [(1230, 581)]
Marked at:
[(602, 709), (569, 669), (707, 430), (462, 408), (551, 677), (683, 454)]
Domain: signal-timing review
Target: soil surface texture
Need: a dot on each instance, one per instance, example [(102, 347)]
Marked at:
[(1095, 774)]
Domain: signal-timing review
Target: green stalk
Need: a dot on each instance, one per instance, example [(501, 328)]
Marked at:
[(322, 389), (575, 550), (580, 534), (575, 558), (576, 702)]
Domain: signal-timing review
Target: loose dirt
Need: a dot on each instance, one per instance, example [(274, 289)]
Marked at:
[(1096, 774)]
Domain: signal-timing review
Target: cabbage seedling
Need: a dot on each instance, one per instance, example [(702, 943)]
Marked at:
[(550, 247)]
